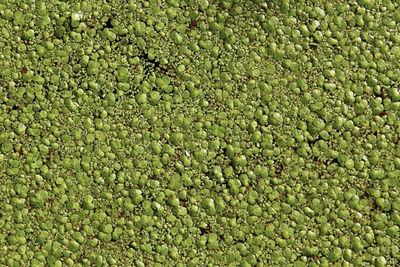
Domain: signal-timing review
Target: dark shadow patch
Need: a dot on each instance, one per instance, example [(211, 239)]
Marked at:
[(108, 23)]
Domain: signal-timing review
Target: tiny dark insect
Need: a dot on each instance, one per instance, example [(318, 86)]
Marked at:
[(24, 70)]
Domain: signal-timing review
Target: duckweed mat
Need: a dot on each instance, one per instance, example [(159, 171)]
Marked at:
[(199, 133)]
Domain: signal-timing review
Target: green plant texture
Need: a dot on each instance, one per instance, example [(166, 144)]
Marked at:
[(199, 133)]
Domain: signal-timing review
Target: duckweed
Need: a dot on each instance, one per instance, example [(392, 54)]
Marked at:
[(186, 133)]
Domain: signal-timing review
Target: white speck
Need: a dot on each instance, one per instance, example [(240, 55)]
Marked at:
[(77, 16)]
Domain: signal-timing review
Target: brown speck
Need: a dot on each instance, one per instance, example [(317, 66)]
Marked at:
[(24, 70), (87, 28), (383, 113), (374, 205), (193, 24)]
